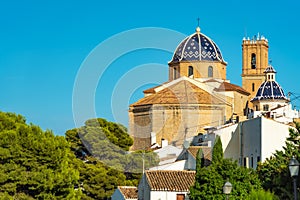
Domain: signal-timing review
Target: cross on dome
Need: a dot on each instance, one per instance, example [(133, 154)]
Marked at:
[(198, 27)]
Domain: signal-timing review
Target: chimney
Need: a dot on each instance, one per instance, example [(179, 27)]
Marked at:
[(153, 138), (164, 143)]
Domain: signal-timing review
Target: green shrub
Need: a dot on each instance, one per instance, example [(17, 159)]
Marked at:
[(262, 195)]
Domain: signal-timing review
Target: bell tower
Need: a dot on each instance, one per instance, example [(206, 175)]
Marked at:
[(255, 62)]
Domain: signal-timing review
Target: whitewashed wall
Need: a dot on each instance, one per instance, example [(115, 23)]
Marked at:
[(179, 165), (273, 137), (165, 195), (252, 141)]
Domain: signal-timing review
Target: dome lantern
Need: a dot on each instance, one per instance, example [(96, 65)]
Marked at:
[(270, 73), (270, 89)]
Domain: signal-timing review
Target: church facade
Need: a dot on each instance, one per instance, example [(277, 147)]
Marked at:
[(197, 95)]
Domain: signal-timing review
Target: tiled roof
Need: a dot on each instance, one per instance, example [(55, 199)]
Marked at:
[(152, 90), (193, 150), (269, 90), (197, 47), (165, 180), (129, 192), (183, 92), (225, 86)]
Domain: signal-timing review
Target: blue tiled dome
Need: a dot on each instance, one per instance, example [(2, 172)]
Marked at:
[(269, 90), (197, 47)]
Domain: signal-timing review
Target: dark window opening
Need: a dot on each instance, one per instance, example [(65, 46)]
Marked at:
[(253, 61), (191, 71), (266, 107), (253, 87), (210, 71)]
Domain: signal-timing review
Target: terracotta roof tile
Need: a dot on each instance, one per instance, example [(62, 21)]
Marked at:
[(164, 180), (129, 192), (152, 90), (193, 150), (182, 92), (225, 86)]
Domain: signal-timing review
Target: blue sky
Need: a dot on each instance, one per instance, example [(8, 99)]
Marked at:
[(43, 45)]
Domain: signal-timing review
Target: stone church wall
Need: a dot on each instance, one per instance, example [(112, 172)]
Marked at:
[(173, 122)]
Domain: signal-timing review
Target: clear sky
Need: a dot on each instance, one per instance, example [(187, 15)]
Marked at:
[(43, 46)]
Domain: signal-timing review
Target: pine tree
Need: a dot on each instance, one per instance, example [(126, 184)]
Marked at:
[(217, 152), (35, 164), (106, 163), (199, 160), (194, 190)]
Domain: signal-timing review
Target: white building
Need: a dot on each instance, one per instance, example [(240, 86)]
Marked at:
[(266, 130), (165, 185), (175, 165), (187, 159), (167, 153), (252, 141)]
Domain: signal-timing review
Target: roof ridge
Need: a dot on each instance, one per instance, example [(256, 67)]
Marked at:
[(169, 170)]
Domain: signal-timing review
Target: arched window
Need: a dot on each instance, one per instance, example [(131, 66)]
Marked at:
[(210, 71), (253, 61), (253, 87), (191, 71)]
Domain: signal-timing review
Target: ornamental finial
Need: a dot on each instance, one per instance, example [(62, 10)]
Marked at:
[(198, 27)]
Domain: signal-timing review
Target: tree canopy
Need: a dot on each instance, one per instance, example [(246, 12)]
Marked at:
[(35, 164), (92, 160), (102, 147), (89, 163), (209, 180)]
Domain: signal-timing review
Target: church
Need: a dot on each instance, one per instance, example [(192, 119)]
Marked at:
[(198, 96)]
